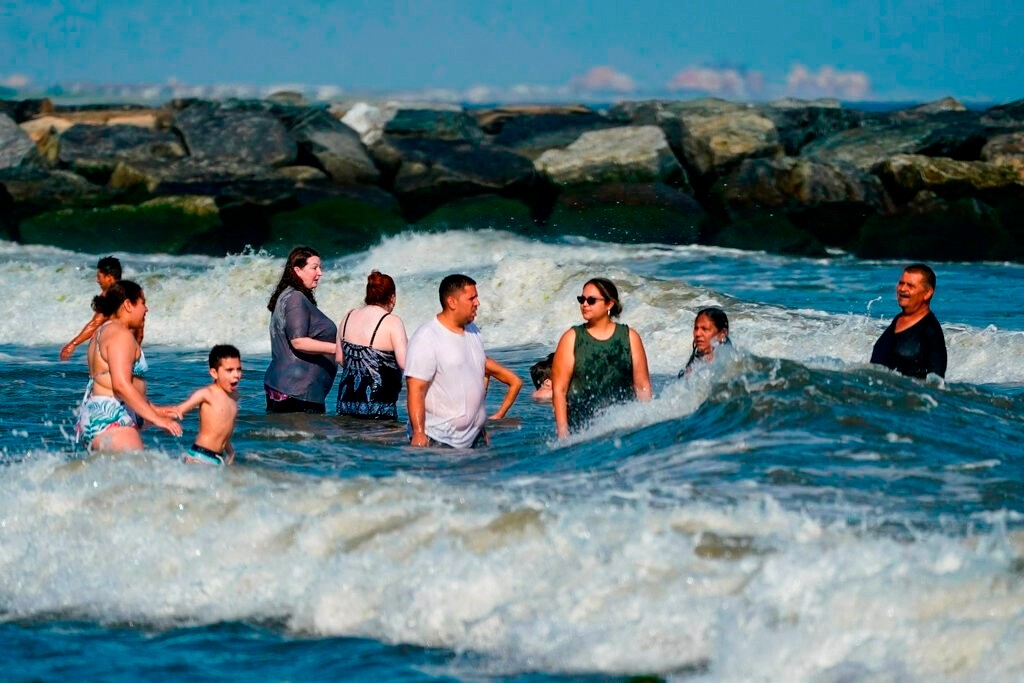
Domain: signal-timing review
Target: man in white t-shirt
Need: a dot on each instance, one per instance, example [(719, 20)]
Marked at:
[(445, 370)]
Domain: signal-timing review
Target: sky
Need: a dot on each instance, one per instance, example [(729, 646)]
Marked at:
[(555, 49)]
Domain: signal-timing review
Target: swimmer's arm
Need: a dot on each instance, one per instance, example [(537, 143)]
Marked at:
[(197, 399), (85, 335), (399, 341), (493, 368), (140, 332), (561, 372), (641, 375), (310, 345), (229, 453), (416, 395)]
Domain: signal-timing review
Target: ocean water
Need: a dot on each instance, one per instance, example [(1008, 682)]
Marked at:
[(786, 513)]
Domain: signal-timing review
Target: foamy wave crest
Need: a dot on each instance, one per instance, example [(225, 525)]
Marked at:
[(530, 580)]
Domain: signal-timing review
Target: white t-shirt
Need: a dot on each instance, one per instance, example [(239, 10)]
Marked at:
[(453, 364)]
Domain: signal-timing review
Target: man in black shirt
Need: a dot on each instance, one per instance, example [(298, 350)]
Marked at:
[(913, 344)]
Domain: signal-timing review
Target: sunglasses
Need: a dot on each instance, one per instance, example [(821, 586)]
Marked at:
[(591, 300)]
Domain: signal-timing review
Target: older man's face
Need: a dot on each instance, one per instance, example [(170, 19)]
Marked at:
[(913, 292)]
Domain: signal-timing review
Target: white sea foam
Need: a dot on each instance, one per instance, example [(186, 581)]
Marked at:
[(527, 290), (535, 583)]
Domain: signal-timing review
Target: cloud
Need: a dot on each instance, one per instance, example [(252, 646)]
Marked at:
[(15, 81), (827, 81), (721, 81), (605, 79)]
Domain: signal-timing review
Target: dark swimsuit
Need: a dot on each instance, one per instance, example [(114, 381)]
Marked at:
[(370, 379)]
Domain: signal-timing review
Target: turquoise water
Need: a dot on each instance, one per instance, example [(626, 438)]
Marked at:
[(786, 513)]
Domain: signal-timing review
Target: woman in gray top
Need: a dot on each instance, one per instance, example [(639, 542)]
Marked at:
[(302, 340)]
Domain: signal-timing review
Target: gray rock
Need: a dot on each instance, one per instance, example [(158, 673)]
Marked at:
[(441, 123), (15, 146), (531, 136), (94, 151), (433, 172), (1005, 150), (199, 177), (867, 146), (335, 147), (623, 154), (908, 174), (798, 126), (236, 132), (627, 212)]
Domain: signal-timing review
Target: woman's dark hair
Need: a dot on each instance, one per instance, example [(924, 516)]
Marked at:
[(298, 258), (379, 289), (119, 292), (609, 292), (720, 320)]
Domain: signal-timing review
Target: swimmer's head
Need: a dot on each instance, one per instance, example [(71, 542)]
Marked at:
[(710, 328), (609, 292), (226, 367), (380, 289), (541, 371)]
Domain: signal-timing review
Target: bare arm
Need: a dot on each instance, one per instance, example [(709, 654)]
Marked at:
[(399, 341), (120, 353), (416, 394), (85, 335), (561, 372), (493, 368), (641, 375), (229, 452), (195, 400)]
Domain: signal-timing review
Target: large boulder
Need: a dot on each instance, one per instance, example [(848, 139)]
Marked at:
[(434, 122), (23, 110), (430, 173), (191, 176), (531, 136), (94, 151), (714, 140), (15, 146), (867, 146), (1005, 150), (493, 121), (1010, 115), (236, 132), (772, 233), (161, 226), (633, 154), (946, 104), (28, 190), (350, 221), (482, 212), (800, 124), (935, 229), (328, 143), (829, 202), (367, 120), (907, 174), (627, 212)]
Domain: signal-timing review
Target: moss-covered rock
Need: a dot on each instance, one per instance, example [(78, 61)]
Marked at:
[(157, 228), (334, 226), (770, 232), (479, 213), (961, 230)]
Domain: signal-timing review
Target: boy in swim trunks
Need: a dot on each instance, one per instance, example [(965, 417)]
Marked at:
[(218, 408)]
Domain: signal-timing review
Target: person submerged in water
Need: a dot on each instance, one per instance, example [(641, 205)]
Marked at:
[(540, 373), (710, 330), (218, 408), (913, 344)]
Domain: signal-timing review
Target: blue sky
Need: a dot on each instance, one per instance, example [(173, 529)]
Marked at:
[(854, 49)]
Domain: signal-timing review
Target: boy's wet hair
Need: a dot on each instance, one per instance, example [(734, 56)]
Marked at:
[(109, 265), (541, 370), (222, 351)]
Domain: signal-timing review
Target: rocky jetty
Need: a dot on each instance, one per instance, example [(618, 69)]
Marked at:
[(937, 181)]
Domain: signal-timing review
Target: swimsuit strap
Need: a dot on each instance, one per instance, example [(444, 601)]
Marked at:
[(374, 335), (344, 325)]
